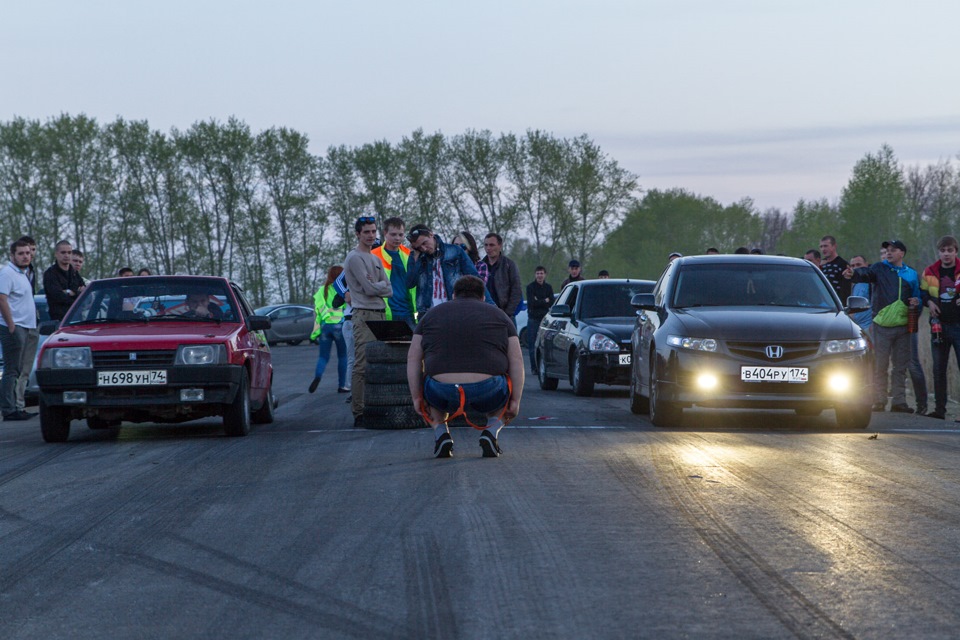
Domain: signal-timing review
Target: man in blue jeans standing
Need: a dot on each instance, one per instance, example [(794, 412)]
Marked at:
[(466, 369), (18, 317)]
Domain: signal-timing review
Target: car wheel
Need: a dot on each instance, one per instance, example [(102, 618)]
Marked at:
[(264, 415), (546, 382), (662, 413), (853, 416), (580, 377), (639, 404), (294, 343), (236, 419), (54, 423)]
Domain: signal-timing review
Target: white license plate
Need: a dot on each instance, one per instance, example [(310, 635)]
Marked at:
[(131, 378), (774, 374), (624, 358)]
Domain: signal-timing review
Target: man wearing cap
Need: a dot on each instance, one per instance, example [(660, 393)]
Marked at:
[(673, 256), (573, 268), (895, 288)]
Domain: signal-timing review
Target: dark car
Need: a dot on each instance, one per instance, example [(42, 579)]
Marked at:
[(740, 331), (290, 323), (585, 338), (156, 349)]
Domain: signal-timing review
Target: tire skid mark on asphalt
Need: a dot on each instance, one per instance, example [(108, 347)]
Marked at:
[(46, 454), (60, 539), (855, 542), (789, 605), (433, 616), (335, 615)]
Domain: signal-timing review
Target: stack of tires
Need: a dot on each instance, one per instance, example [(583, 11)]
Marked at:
[(386, 397)]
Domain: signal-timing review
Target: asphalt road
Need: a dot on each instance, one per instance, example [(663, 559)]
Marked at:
[(593, 524)]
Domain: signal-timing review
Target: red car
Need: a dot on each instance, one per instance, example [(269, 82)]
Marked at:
[(156, 349)]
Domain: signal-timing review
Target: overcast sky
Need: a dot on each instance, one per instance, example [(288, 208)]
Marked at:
[(771, 99)]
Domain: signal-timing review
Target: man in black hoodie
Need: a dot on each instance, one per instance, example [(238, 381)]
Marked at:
[(61, 283), (539, 301)]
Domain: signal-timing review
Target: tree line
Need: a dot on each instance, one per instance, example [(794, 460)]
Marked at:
[(261, 209)]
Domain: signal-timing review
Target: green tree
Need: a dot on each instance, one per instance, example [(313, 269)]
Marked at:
[(872, 204), (811, 221)]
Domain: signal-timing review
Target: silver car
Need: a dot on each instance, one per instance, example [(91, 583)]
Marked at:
[(290, 323)]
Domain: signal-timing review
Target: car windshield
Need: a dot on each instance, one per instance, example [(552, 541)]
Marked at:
[(745, 285), (154, 299), (609, 300)]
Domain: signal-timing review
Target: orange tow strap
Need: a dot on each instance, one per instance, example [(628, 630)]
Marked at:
[(461, 410)]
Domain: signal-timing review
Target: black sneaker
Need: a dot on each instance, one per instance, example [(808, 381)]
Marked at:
[(443, 448), (489, 445), (901, 408), (17, 415), (358, 421), (314, 384), (939, 415)]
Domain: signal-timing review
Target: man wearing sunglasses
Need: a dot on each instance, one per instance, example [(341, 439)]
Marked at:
[(369, 285)]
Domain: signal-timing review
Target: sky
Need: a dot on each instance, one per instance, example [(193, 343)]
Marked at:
[(775, 100)]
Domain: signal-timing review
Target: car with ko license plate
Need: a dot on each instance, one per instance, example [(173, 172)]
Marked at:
[(156, 349)]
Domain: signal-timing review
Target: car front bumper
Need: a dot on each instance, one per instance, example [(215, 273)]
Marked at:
[(680, 382)]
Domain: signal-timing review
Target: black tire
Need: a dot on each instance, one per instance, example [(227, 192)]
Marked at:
[(581, 378), (385, 373), (383, 352), (639, 404), (384, 395), (853, 416), (546, 382), (808, 412), (54, 423), (265, 415), (662, 413), (392, 417), (294, 343), (236, 417)]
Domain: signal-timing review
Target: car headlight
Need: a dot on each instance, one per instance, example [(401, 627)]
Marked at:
[(600, 342), (200, 354), (67, 358), (846, 346), (697, 344)]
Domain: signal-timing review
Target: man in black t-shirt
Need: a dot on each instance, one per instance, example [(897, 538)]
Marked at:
[(939, 289), (539, 301), (832, 266), (470, 345)]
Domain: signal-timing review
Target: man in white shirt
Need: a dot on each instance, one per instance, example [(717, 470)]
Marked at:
[(18, 327)]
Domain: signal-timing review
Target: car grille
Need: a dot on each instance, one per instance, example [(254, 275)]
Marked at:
[(757, 350), (140, 359)]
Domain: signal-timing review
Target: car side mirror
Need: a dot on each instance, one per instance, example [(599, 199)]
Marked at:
[(561, 311), (258, 323), (643, 301), (47, 327), (855, 304)]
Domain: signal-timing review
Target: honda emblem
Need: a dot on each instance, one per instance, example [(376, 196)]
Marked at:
[(774, 352)]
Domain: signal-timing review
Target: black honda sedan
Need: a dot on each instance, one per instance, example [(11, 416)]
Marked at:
[(746, 331), (585, 338)]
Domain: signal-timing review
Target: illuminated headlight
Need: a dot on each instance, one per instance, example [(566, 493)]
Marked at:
[(200, 354), (846, 346), (600, 342), (707, 381), (697, 344), (67, 358), (839, 382)]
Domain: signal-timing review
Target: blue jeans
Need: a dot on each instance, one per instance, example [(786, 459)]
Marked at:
[(533, 325), (16, 360), (486, 396), (330, 333), (949, 339)]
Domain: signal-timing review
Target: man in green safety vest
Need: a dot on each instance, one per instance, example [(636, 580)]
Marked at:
[(402, 306)]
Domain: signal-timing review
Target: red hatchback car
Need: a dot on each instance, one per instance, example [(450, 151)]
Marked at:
[(156, 349)]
